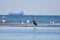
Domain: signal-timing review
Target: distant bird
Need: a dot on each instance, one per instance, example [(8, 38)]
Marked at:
[(34, 23)]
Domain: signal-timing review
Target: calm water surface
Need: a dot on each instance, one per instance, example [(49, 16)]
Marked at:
[(29, 33)]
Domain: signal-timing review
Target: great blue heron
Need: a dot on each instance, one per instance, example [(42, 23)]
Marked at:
[(34, 21)]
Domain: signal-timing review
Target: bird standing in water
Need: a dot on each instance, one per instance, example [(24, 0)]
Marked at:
[(34, 21)]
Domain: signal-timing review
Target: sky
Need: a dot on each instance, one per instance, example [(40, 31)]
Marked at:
[(30, 7)]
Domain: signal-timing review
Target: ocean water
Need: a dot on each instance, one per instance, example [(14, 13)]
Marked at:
[(29, 33), (24, 18)]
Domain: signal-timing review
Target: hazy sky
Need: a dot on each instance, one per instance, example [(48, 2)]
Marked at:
[(32, 7)]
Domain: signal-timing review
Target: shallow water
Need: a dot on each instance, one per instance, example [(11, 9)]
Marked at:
[(29, 33)]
